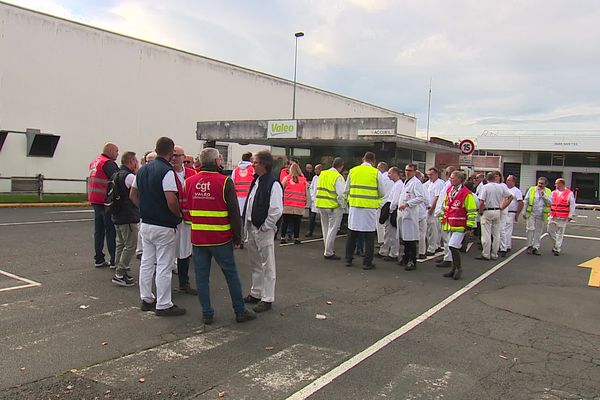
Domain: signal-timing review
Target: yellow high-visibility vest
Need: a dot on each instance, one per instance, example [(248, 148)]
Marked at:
[(364, 191), (326, 194), (529, 210)]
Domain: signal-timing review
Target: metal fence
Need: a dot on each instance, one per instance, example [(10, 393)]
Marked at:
[(35, 184)]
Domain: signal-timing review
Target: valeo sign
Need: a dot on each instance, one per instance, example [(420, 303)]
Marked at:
[(282, 129)]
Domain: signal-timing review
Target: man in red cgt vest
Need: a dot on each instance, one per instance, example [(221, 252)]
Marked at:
[(101, 171), (562, 210), (216, 228)]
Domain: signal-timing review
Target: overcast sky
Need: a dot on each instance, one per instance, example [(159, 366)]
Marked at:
[(510, 65)]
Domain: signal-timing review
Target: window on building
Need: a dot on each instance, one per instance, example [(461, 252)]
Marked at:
[(296, 152), (278, 151), (544, 158), (224, 151), (558, 159), (590, 160), (419, 156)]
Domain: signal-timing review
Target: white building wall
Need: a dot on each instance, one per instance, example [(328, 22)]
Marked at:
[(90, 86)]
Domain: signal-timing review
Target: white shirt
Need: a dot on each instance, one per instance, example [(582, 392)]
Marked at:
[(433, 190), (493, 194), (442, 198), (364, 219), (389, 184), (517, 196), (395, 195), (275, 206), (129, 179)]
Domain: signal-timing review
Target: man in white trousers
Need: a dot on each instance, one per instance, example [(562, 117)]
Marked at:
[(391, 244), (562, 211), (262, 212), (155, 191), (423, 220), (513, 211), (330, 200), (383, 168), (537, 199), (434, 189), (493, 199)]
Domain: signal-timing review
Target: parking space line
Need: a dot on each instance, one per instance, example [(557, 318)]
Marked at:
[(341, 369), (46, 222), (70, 212), (29, 282), (582, 237)]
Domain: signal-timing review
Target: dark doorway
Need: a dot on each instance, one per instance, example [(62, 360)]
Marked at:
[(513, 169), (585, 187), (551, 175)]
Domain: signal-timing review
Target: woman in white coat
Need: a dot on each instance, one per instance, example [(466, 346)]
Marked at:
[(411, 200)]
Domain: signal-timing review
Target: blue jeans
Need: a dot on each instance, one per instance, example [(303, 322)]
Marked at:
[(223, 255), (104, 227)]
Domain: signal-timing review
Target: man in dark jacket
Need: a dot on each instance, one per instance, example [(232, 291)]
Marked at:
[(125, 216), (155, 192)]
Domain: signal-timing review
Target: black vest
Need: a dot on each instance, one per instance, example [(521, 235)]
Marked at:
[(124, 212), (262, 198), (153, 203)]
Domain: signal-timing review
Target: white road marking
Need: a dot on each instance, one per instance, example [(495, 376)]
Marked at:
[(582, 216), (29, 282), (136, 365), (310, 240), (582, 237), (278, 374), (70, 212), (45, 222), (417, 382), (341, 369), (519, 237)]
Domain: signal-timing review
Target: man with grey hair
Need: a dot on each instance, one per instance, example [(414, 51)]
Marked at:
[(538, 200), (261, 215), (562, 211), (493, 198), (216, 229)]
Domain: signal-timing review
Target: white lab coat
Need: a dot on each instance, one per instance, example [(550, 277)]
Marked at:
[(413, 195)]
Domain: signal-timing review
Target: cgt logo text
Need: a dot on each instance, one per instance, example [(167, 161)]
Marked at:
[(203, 191)]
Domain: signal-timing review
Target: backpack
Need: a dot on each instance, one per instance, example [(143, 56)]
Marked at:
[(113, 194)]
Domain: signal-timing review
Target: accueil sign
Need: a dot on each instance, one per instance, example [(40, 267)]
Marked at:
[(282, 129), (376, 132)]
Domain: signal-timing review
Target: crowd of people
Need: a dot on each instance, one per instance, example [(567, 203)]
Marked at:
[(174, 209)]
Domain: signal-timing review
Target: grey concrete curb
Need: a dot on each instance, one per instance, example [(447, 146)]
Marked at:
[(23, 205)]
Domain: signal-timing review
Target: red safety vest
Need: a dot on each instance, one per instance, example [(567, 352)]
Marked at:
[(205, 194), (98, 181), (560, 204), (242, 179), (283, 173), (188, 172), (455, 213), (294, 194)]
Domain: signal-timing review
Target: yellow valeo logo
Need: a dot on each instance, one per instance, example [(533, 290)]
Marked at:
[(282, 128)]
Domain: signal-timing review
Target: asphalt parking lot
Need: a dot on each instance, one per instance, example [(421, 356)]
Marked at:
[(522, 327)]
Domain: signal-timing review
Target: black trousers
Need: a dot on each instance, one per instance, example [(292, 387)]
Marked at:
[(312, 221), (104, 228), (410, 250), (183, 268), (369, 245), (293, 221)]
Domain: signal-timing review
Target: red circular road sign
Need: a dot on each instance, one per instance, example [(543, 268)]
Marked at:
[(467, 147)]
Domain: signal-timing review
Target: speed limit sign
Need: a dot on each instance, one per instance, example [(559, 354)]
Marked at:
[(467, 147)]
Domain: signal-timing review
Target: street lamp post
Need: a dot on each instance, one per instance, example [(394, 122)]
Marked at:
[(297, 35)]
